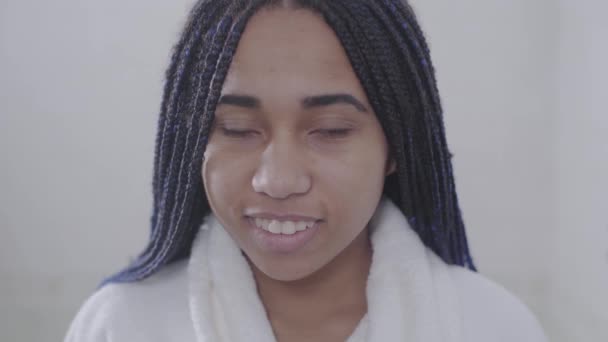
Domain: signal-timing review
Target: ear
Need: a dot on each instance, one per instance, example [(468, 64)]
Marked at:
[(391, 166)]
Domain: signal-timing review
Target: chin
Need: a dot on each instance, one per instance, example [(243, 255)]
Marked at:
[(287, 271)]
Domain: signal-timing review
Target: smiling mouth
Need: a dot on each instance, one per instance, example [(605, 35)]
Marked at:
[(286, 227), (282, 236)]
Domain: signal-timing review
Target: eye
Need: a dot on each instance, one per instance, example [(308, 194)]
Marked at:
[(334, 133), (236, 133)]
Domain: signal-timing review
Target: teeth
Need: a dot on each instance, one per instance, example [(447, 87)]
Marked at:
[(286, 227), (300, 226), (275, 227)]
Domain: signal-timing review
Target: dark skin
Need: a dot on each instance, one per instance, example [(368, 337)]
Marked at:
[(307, 142), (320, 307)]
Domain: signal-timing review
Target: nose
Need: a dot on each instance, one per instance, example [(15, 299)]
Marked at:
[(281, 172)]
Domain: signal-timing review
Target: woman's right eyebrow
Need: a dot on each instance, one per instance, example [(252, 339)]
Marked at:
[(252, 102), (245, 101)]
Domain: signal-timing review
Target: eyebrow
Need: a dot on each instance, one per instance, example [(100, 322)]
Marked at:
[(251, 102), (240, 101), (331, 99)]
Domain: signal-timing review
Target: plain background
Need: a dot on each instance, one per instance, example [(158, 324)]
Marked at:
[(523, 84)]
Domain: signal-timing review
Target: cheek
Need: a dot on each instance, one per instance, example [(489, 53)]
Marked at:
[(353, 183), (224, 177), (359, 169)]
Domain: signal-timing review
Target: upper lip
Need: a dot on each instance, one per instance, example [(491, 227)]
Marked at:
[(282, 217)]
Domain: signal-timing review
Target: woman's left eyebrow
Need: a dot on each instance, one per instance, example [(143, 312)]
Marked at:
[(252, 102), (331, 99)]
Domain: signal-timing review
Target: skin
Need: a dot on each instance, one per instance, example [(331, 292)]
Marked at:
[(324, 160)]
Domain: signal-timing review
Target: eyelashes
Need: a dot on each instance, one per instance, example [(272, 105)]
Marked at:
[(334, 133), (326, 133), (237, 133)]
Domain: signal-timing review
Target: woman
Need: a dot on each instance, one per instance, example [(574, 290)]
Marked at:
[(303, 190)]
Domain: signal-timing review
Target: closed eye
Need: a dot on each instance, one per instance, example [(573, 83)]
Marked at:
[(334, 132), (237, 133)]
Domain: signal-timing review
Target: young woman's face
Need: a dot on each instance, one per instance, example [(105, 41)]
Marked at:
[(295, 146)]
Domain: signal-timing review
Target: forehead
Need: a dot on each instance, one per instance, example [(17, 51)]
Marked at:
[(290, 52)]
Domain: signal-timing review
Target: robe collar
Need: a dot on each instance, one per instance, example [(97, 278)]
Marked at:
[(410, 296)]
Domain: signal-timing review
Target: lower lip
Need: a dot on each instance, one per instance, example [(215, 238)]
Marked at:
[(281, 243)]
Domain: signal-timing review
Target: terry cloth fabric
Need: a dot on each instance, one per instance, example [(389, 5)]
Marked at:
[(412, 296)]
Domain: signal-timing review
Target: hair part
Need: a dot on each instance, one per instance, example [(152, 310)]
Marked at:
[(389, 55)]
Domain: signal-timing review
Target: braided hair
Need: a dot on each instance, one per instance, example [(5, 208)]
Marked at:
[(389, 54)]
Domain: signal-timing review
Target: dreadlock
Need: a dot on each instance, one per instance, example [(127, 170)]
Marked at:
[(389, 55)]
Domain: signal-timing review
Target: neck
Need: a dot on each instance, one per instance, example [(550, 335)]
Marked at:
[(336, 293)]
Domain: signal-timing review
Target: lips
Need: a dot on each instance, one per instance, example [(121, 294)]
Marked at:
[(268, 215), (282, 227), (278, 241)]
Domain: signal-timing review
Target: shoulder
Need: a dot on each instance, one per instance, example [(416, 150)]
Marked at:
[(490, 312), (139, 311)]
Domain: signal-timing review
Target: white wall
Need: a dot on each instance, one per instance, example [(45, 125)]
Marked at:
[(495, 63), (521, 83), (578, 307), (80, 89)]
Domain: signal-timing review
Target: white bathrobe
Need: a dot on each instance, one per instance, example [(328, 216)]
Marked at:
[(412, 296)]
